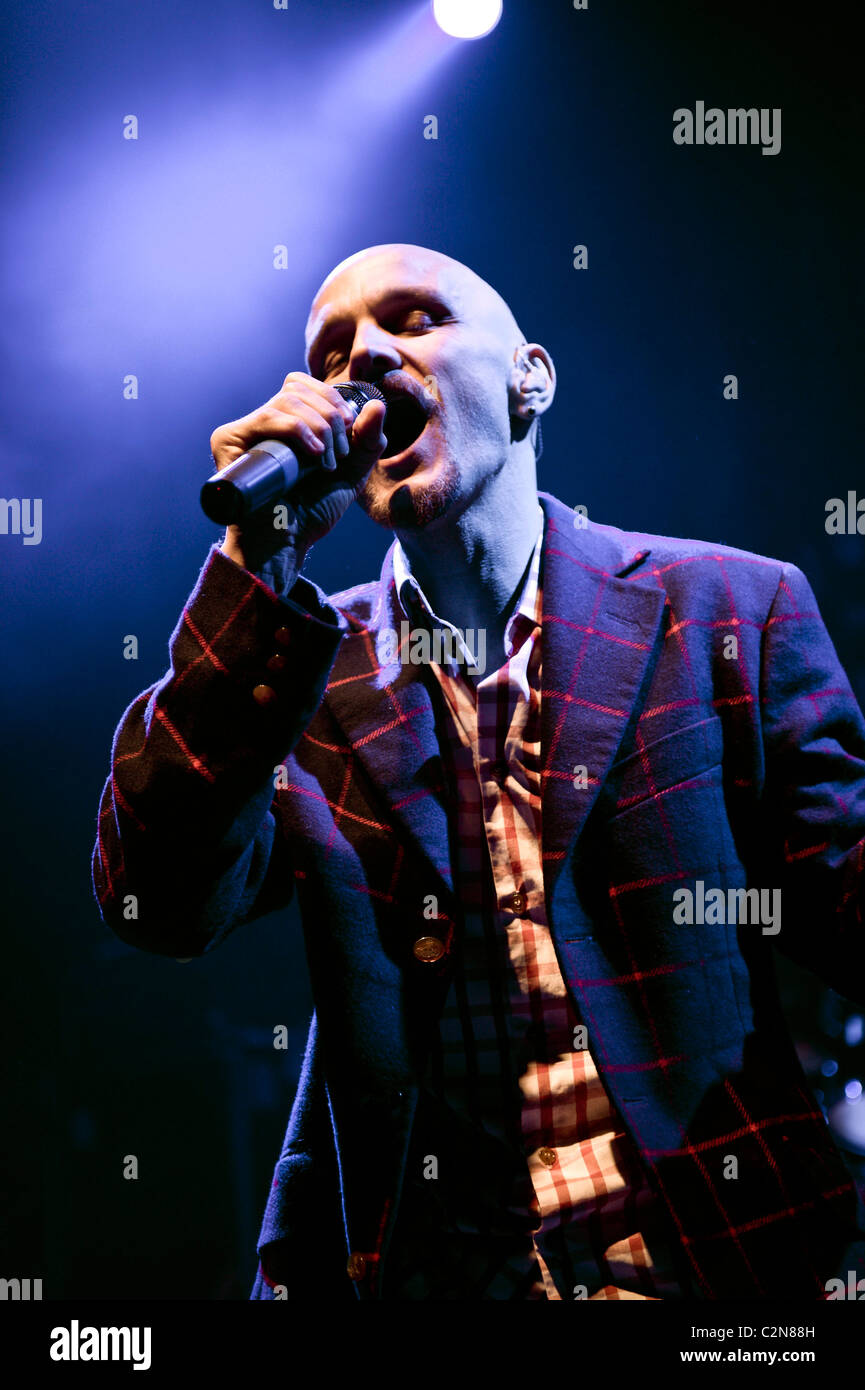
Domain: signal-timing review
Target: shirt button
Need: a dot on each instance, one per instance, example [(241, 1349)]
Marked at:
[(282, 636), (428, 949), (277, 661), (499, 772), (356, 1266), (547, 1157), (264, 694), (517, 903)]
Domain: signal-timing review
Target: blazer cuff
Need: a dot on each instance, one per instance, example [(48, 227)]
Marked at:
[(276, 652)]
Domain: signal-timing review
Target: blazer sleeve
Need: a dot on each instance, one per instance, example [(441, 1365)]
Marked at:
[(814, 748), (187, 845)]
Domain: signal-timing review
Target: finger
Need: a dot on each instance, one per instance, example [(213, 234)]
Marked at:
[(305, 424), (367, 436), (230, 441), (325, 402), (340, 438), (302, 381)]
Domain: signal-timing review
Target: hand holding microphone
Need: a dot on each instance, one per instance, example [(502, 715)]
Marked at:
[(310, 448)]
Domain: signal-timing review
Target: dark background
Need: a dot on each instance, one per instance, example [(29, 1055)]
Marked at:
[(304, 127)]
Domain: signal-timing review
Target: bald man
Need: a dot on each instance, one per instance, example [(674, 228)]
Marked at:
[(550, 795), (456, 483)]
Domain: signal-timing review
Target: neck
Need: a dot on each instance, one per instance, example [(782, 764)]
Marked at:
[(471, 568)]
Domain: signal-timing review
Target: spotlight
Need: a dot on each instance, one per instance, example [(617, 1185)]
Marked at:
[(467, 19)]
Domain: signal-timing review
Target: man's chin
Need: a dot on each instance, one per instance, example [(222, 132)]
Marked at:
[(411, 506)]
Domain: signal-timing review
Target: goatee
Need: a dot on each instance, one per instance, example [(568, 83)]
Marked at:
[(410, 508)]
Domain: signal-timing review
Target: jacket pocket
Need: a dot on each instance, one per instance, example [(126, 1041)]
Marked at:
[(666, 763)]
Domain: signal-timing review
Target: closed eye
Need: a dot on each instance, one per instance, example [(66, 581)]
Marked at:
[(414, 321), (418, 321)]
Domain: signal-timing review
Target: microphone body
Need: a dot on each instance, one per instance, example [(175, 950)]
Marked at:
[(270, 469)]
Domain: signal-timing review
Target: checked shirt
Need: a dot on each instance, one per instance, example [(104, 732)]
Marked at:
[(510, 1075)]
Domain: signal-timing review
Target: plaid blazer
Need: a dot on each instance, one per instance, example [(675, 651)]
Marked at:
[(698, 732)]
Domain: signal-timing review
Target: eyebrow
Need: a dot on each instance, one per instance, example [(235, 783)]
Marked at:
[(391, 300)]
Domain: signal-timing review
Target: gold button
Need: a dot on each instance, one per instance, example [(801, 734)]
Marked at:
[(356, 1267), (428, 949), (517, 903), (282, 636), (264, 694), (547, 1157), (277, 661)]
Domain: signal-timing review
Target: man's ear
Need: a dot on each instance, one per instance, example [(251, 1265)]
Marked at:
[(533, 382)]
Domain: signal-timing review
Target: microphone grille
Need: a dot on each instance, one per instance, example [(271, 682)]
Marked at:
[(359, 392)]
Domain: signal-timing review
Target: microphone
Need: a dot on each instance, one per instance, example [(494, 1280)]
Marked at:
[(270, 469)]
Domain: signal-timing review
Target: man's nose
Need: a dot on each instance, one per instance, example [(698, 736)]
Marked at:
[(373, 353)]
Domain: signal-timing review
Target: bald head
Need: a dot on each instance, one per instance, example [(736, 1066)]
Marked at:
[(465, 391), (418, 265)]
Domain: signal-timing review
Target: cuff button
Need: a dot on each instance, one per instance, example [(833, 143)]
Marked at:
[(264, 694)]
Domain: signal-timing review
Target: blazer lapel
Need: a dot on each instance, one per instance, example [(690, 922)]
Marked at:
[(386, 711), (598, 633)]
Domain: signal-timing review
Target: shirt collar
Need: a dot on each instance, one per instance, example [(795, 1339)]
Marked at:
[(414, 602)]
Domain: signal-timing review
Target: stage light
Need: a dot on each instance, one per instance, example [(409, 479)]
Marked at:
[(467, 19)]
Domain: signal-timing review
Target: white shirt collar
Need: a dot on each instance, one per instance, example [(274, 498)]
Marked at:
[(409, 591)]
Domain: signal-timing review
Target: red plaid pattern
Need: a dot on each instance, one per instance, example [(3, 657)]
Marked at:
[(508, 1030), (700, 768)]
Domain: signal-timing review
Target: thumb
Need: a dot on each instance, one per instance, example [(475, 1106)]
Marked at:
[(368, 440)]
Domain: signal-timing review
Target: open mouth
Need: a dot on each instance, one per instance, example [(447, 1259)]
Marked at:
[(403, 425)]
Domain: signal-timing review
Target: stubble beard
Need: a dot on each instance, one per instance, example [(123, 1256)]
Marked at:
[(407, 508)]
